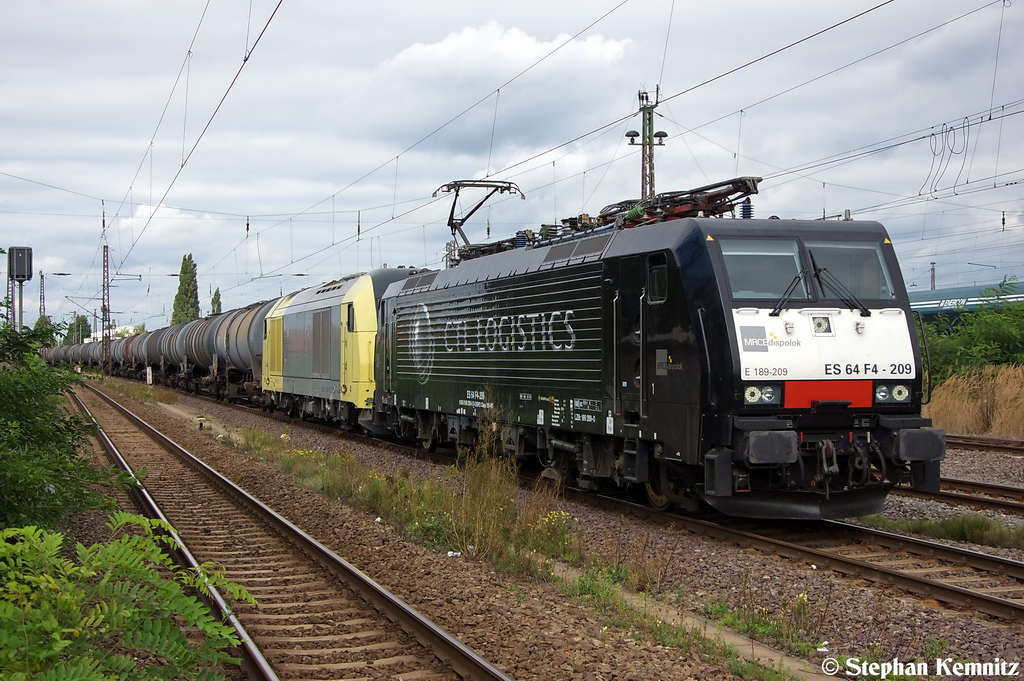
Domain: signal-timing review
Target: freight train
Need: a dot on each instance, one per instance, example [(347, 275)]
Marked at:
[(764, 368)]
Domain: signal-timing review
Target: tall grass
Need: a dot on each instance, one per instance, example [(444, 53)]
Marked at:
[(985, 402), (481, 512), (976, 529), (150, 394)]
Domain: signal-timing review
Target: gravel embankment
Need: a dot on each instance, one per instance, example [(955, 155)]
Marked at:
[(532, 632)]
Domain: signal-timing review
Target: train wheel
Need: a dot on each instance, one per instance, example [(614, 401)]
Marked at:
[(662, 492), (657, 500)]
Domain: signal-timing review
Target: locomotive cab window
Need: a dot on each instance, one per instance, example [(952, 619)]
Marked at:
[(657, 278), (764, 269), (859, 266)]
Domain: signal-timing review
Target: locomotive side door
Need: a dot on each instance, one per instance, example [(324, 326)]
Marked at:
[(630, 340)]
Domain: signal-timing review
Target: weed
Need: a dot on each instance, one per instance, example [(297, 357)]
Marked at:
[(935, 648), (793, 625), (260, 445), (596, 588), (976, 529)]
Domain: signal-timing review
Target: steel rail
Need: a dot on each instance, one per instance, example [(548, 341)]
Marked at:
[(991, 605), (994, 503), (465, 661), (985, 488), (984, 443)]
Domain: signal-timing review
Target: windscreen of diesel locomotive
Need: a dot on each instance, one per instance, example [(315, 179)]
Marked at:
[(763, 269), (858, 265)]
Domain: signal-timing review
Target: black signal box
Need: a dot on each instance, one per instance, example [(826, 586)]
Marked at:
[(19, 263)]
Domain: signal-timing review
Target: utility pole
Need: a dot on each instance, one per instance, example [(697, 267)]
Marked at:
[(105, 350), (11, 288), (933, 276), (42, 295), (648, 140)]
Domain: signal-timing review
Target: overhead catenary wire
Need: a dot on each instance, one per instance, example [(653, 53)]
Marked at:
[(209, 122), (394, 197)]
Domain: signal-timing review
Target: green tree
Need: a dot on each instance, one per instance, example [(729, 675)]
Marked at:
[(215, 302), (186, 300), (78, 331), (130, 331), (47, 331)]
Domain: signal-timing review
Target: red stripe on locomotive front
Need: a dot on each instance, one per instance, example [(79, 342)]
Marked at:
[(800, 394)]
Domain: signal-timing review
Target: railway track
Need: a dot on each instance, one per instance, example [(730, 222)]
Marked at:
[(978, 495), (968, 579), (952, 575), (992, 444), (318, 617)]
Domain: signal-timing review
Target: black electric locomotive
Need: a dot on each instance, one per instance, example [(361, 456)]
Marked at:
[(766, 368)]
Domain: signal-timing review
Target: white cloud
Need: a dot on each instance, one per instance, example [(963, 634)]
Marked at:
[(335, 95)]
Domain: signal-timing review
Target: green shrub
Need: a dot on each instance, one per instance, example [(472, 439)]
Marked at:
[(991, 335), (117, 612), (43, 472)]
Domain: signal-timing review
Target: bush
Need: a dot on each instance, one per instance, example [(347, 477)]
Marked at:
[(119, 612), (42, 472), (992, 335)]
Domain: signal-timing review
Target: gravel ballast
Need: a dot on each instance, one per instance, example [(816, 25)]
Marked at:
[(531, 631)]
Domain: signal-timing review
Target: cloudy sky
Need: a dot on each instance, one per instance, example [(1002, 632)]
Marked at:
[(327, 126)]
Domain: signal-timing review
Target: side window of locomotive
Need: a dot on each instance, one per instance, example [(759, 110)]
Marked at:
[(657, 278), (858, 265), (763, 269), (350, 324)]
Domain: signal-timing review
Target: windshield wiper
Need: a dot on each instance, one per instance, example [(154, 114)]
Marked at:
[(777, 310), (844, 293)]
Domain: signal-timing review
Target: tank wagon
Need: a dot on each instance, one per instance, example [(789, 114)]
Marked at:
[(220, 355), (767, 368)]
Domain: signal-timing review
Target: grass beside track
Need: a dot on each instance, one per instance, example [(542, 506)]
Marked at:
[(478, 510), (972, 528)]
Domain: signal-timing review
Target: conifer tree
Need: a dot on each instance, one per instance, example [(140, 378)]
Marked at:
[(186, 300), (215, 302)]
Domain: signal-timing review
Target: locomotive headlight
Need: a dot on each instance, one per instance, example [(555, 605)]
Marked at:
[(762, 394), (892, 393)]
